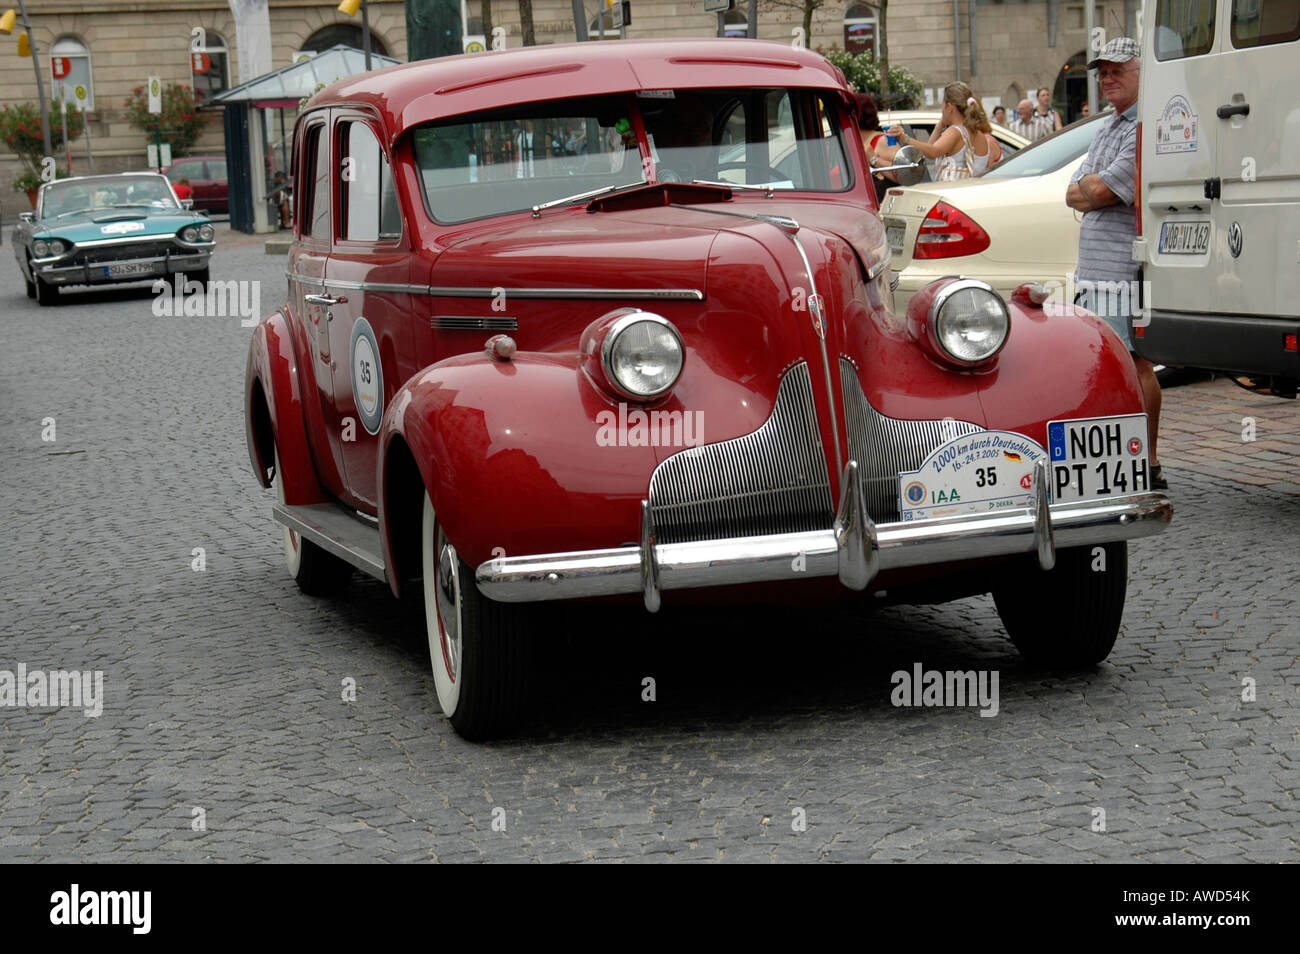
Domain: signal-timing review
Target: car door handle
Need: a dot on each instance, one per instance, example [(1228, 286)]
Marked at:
[(325, 300), (1233, 109)]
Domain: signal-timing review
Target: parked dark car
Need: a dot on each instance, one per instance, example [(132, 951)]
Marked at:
[(207, 176)]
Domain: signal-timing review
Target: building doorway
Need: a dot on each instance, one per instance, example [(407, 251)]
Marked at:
[(1071, 89)]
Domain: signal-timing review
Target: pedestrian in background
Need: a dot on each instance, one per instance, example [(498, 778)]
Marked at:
[(960, 143), (1104, 189), (1044, 111), (874, 142), (1026, 123), (999, 115), (182, 189)]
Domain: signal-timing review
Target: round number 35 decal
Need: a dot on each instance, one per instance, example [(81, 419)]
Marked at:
[(367, 376)]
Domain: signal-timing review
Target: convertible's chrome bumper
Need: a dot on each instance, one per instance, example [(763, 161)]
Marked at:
[(854, 549), (97, 273)]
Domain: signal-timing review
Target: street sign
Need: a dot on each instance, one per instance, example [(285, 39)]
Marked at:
[(717, 6), (151, 156), (155, 95), (475, 43), (616, 13), (201, 61), (60, 66), (81, 93)]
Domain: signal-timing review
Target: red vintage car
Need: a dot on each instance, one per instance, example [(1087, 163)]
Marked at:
[(613, 322)]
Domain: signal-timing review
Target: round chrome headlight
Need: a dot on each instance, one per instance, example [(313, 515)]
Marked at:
[(41, 248), (206, 233), (969, 321), (58, 247), (642, 354), (190, 234)]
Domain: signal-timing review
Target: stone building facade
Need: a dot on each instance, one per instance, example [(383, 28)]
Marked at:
[(116, 44)]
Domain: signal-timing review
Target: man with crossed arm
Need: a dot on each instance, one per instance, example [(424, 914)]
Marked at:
[(1104, 189)]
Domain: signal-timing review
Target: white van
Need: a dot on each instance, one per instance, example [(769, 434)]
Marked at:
[(1219, 232)]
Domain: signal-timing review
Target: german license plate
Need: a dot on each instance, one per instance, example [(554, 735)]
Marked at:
[(130, 268), (1185, 238), (895, 233), (1098, 457)]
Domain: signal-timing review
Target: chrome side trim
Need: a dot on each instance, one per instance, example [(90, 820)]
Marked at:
[(885, 446), (815, 310), (597, 294), (773, 480), (818, 553), (337, 531), (473, 323)]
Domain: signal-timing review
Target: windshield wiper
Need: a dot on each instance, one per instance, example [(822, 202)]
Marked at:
[(537, 209), (770, 190)]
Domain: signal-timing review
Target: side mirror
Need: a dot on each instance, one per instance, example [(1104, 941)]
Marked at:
[(187, 203), (27, 216), (908, 167)]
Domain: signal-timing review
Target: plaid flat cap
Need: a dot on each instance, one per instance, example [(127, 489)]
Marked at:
[(1119, 50)]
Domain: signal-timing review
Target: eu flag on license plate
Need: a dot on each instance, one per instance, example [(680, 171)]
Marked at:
[(1056, 440)]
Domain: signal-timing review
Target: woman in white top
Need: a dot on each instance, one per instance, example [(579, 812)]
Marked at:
[(961, 143)]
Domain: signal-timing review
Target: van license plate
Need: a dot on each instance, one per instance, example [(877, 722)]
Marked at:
[(1184, 238)]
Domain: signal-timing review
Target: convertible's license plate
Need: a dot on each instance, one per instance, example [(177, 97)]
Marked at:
[(1098, 457), (895, 234), (1185, 238), (130, 268), (974, 473)]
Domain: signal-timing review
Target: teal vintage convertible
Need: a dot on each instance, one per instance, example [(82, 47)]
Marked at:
[(94, 230)]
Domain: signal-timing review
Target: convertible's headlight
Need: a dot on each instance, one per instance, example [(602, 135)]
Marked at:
[(41, 248), (969, 321), (642, 354), (206, 233), (190, 234), (58, 247)]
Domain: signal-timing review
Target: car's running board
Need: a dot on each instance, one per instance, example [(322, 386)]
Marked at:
[(336, 531)]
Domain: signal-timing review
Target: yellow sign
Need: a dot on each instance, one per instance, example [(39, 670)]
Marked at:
[(80, 91), (474, 46)]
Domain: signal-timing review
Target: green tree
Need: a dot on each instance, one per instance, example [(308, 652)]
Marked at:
[(20, 129), (863, 74), (180, 122)]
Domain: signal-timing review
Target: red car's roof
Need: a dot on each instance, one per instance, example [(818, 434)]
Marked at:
[(417, 92)]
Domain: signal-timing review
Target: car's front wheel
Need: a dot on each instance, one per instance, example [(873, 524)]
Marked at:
[(42, 291), (1069, 616), (479, 648), (316, 571)]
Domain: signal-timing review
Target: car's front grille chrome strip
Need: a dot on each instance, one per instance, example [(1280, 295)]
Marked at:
[(771, 481), (884, 446)]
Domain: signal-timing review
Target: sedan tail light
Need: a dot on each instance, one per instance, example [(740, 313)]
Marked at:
[(947, 233)]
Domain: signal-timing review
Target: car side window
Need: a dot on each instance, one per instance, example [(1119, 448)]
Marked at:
[(1184, 28), (367, 196), (216, 169), (1264, 22), (315, 204)]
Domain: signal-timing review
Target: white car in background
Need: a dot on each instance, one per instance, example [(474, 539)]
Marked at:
[(1009, 226)]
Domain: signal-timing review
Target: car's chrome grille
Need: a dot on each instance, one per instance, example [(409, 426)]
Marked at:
[(771, 481), (107, 254), (883, 446)]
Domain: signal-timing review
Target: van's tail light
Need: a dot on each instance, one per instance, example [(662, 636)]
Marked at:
[(947, 233), (1137, 191)]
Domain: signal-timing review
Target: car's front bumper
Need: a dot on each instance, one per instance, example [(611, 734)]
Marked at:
[(854, 549), (187, 261)]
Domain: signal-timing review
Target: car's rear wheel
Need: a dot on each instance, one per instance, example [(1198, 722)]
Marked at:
[(480, 649), (316, 571), (1069, 616)]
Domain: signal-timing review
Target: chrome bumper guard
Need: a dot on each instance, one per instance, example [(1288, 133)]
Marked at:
[(94, 274), (854, 549)]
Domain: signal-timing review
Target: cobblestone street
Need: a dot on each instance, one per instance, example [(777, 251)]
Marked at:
[(224, 734)]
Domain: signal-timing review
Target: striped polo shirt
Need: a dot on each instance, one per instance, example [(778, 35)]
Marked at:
[(1106, 235)]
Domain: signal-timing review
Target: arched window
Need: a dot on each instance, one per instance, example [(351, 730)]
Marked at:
[(210, 67), (737, 24), (346, 33), (861, 21), (70, 68)]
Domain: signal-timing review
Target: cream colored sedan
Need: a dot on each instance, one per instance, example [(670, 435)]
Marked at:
[(1009, 226)]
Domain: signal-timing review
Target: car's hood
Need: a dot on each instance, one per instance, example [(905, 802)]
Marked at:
[(117, 223)]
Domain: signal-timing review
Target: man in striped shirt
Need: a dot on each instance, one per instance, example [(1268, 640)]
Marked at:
[(1029, 124), (1104, 189)]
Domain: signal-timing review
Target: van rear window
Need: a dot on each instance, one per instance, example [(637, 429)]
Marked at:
[(1263, 22), (1184, 28)]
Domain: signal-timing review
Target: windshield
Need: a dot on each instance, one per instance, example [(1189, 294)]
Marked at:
[(517, 157), (62, 198), (1048, 155)]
